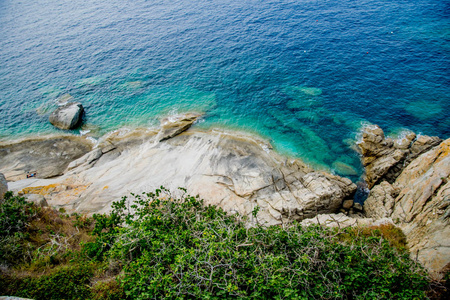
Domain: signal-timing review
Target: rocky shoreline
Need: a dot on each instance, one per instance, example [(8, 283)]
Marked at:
[(408, 178)]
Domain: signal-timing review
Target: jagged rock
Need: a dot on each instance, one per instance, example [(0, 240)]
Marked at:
[(419, 202), (3, 186), (384, 158), (47, 156), (174, 125), (422, 145), (380, 202), (233, 171), (37, 199), (67, 116)]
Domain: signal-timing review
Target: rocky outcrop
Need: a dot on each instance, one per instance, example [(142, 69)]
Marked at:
[(418, 201), (231, 170), (380, 202), (46, 156), (67, 116), (3, 186), (385, 158), (174, 125)]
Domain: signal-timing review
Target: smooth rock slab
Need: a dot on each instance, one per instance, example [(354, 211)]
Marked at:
[(67, 116), (233, 171), (47, 156)]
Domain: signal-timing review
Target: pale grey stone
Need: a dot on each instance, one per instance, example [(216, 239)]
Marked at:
[(67, 116)]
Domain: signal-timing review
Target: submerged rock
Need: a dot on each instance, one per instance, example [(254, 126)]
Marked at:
[(67, 116), (344, 169), (64, 99)]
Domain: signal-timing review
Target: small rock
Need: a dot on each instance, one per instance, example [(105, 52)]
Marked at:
[(3, 186), (347, 204), (357, 206), (37, 199), (67, 116)]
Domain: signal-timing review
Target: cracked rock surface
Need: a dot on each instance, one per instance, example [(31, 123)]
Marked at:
[(418, 201), (385, 158), (231, 170)]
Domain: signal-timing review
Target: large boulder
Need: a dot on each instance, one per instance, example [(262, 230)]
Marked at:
[(67, 116), (3, 186), (418, 201), (385, 158)]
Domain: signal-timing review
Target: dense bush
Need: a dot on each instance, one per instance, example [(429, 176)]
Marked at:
[(15, 213), (167, 247), (174, 248)]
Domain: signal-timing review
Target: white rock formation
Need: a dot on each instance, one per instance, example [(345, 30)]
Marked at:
[(233, 171)]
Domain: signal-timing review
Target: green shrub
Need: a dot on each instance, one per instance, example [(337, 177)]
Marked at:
[(175, 248), (68, 282), (15, 213), (167, 247)]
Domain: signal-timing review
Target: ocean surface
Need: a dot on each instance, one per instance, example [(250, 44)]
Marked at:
[(307, 75)]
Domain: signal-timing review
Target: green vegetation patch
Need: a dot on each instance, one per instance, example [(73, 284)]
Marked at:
[(157, 246)]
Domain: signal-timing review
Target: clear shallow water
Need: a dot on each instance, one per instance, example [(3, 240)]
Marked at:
[(305, 74)]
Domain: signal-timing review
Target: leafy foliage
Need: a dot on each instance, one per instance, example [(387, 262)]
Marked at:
[(167, 247), (174, 248)]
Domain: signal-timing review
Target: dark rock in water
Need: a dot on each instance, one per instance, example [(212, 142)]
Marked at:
[(67, 116), (3, 186), (47, 157)]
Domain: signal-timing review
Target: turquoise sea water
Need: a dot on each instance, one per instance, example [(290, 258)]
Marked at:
[(304, 74)]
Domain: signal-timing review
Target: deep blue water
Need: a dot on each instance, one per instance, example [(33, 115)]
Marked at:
[(304, 74)]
